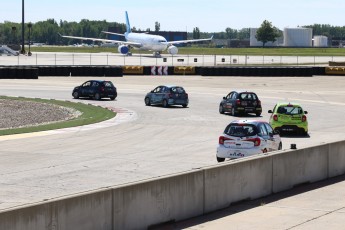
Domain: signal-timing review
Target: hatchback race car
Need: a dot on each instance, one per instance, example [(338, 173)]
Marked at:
[(289, 117), (96, 89), (242, 138), (166, 96), (240, 103)]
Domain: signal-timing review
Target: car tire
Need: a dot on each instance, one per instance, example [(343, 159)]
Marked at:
[(97, 97), (258, 114), (112, 98), (220, 159), (280, 147), (75, 95), (184, 105), (221, 109), (165, 103), (147, 101)]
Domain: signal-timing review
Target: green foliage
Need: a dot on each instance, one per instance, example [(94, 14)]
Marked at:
[(196, 33), (267, 33), (157, 26), (47, 31)]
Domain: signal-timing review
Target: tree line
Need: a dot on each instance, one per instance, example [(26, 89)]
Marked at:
[(48, 31)]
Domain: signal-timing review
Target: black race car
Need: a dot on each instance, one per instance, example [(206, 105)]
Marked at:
[(240, 103), (96, 89)]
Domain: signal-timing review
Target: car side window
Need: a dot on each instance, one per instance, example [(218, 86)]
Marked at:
[(87, 84), (158, 89), (269, 128), (263, 130), (229, 95), (234, 96), (95, 84)]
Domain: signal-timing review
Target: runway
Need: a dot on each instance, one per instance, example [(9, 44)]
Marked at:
[(157, 141)]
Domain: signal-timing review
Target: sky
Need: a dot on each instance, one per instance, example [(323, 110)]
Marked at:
[(182, 15)]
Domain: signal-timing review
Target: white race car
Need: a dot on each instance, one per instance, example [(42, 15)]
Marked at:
[(242, 138)]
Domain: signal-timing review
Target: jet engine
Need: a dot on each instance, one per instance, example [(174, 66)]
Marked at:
[(172, 50), (123, 49)]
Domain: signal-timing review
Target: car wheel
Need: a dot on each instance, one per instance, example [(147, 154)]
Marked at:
[(220, 159), (165, 103), (184, 105), (75, 95), (147, 101), (112, 98), (258, 114), (233, 112), (280, 147), (97, 96), (221, 109)]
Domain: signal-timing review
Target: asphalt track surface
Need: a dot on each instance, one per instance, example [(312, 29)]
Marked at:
[(149, 141)]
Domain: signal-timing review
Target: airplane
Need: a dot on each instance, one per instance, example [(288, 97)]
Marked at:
[(141, 41)]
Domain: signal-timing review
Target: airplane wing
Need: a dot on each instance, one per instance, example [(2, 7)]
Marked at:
[(188, 41), (135, 44), (106, 32)]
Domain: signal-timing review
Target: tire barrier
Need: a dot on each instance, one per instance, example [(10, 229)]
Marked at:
[(257, 71), (319, 71), (334, 63), (64, 71), (118, 71), (130, 70), (335, 71), (184, 70), (21, 72)]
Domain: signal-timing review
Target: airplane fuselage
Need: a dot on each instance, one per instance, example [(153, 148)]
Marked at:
[(149, 41)]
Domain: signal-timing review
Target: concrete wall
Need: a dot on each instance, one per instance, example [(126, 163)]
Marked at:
[(182, 196)]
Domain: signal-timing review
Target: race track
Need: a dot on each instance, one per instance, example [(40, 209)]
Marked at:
[(154, 141)]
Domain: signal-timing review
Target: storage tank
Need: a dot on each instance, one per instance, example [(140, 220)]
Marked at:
[(320, 41), (254, 42), (298, 37)]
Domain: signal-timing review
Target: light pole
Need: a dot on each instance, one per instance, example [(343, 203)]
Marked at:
[(29, 26), (23, 30)]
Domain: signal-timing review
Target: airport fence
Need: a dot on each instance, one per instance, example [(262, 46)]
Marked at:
[(77, 59)]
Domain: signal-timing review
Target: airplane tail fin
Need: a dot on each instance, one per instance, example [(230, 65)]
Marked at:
[(128, 26)]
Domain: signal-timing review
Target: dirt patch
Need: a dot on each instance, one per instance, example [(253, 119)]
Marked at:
[(17, 113)]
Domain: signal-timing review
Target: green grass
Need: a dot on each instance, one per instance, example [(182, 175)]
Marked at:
[(90, 114), (211, 51)]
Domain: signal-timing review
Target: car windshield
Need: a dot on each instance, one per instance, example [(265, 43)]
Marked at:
[(289, 110), (248, 96), (177, 90), (240, 130)]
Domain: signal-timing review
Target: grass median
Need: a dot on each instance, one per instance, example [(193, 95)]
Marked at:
[(90, 114)]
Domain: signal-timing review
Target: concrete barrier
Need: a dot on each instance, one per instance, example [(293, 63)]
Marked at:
[(182, 196), (243, 180)]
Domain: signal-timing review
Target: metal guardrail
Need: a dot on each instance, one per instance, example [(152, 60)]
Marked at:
[(74, 59)]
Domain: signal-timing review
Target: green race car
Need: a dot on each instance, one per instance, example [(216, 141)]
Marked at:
[(289, 117)]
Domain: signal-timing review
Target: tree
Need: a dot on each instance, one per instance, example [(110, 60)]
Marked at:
[(157, 26), (230, 33), (196, 33), (267, 33)]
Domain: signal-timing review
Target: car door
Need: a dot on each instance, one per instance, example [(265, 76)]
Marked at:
[(266, 142), (85, 89), (156, 96), (233, 98), (94, 88), (274, 139)]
